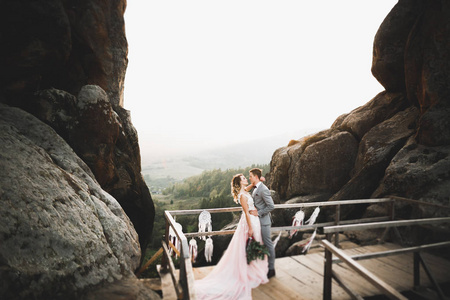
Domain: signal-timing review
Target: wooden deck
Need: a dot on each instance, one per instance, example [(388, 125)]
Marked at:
[(301, 277)]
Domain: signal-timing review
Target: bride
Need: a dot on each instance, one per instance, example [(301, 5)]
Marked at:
[(232, 277)]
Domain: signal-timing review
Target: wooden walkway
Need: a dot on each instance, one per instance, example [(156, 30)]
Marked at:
[(301, 277)]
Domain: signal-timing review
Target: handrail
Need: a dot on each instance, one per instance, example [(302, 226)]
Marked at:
[(186, 277), (330, 249), (351, 261), (355, 227), (333, 203), (283, 228), (395, 251), (172, 270), (279, 206), (180, 235), (420, 202), (198, 211), (366, 274)]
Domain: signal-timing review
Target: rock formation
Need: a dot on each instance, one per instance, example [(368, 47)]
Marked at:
[(75, 213), (396, 144), (61, 233), (63, 44)]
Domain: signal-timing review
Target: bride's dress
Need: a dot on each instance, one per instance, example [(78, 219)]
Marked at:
[(232, 277)]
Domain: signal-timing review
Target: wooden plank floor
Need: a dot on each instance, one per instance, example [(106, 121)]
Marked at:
[(301, 277)]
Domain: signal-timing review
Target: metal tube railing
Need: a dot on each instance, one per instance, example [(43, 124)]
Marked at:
[(185, 282), (355, 227), (386, 289), (330, 249), (184, 285)]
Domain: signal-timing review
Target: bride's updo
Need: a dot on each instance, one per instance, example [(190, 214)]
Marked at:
[(236, 186)]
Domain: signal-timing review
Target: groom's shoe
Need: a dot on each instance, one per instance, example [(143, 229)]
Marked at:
[(271, 273)]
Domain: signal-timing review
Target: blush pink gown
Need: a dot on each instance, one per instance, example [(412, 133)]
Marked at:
[(232, 277)]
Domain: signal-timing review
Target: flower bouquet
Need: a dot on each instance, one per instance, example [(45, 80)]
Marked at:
[(255, 250)]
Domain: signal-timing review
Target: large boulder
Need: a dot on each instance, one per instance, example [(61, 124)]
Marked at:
[(325, 166), (278, 178), (418, 172), (427, 70), (287, 164), (61, 234), (94, 131), (362, 119), (389, 45), (103, 136), (434, 126), (376, 150), (65, 62)]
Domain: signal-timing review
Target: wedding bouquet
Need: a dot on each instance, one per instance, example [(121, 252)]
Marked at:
[(255, 250)]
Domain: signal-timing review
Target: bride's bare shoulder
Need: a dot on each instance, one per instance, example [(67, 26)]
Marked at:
[(244, 196)]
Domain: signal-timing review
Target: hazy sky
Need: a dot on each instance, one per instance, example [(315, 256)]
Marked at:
[(207, 73)]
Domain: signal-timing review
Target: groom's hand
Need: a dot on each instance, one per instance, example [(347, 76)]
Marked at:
[(253, 212)]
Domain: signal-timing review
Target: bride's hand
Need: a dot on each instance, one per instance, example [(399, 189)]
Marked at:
[(262, 179), (253, 212), (250, 232)]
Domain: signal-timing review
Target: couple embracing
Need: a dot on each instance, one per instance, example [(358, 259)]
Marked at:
[(232, 277)]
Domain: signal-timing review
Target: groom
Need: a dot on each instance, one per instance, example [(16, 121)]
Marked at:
[(264, 205)]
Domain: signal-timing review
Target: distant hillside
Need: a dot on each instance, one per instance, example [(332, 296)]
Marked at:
[(238, 155)]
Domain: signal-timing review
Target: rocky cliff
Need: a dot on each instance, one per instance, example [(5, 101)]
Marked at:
[(399, 142), (75, 213)]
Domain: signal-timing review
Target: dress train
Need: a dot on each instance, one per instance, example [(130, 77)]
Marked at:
[(232, 277)]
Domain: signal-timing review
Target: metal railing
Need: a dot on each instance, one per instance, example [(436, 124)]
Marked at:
[(384, 288), (184, 281)]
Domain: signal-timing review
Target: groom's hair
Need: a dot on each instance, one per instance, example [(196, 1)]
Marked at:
[(257, 172)]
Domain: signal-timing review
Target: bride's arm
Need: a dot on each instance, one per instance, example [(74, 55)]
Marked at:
[(244, 204), (249, 187)]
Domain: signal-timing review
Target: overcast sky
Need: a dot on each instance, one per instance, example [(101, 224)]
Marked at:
[(208, 73)]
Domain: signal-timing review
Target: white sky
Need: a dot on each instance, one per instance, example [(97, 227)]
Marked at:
[(201, 72)]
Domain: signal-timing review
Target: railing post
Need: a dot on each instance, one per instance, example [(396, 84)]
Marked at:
[(164, 262), (416, 270), (391, 216), (327, 272), (183, 279), (336, 221), (431, 277), (392, 212)]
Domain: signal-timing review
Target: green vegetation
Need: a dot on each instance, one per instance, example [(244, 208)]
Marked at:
[(210, 189), (209, 184), (157, 185)]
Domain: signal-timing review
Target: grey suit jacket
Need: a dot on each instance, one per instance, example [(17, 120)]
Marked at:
[(264, 203)]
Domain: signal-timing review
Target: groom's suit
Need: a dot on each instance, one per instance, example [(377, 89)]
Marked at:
[(264, 204)]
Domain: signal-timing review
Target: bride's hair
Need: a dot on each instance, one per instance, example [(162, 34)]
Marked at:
[(236, 186)]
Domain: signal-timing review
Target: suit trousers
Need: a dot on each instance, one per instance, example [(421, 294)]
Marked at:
[(265, 232)]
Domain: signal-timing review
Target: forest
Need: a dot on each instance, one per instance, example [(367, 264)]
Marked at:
[(209, 185)]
